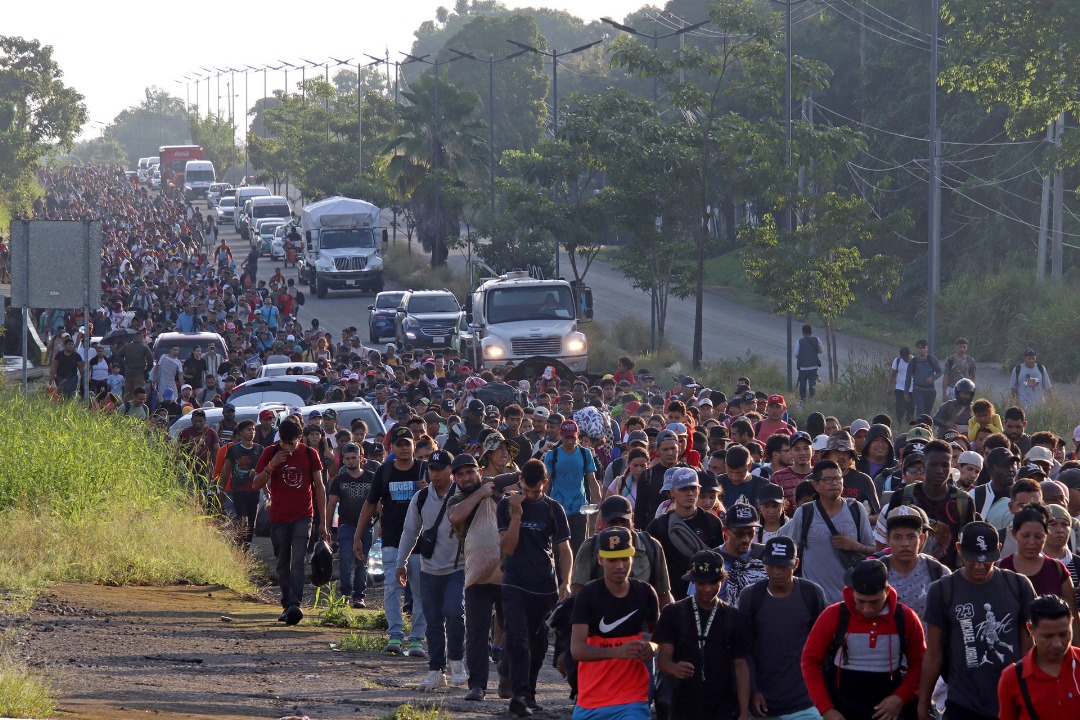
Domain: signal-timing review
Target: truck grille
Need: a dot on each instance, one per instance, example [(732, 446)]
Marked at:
[(551, 345), (438, 329), (350, 263)]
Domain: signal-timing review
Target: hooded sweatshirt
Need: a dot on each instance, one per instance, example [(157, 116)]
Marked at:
[(872, 647), (863, 464)]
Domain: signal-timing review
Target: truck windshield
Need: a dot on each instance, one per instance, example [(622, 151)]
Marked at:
[(347, 238), (200, 176), (433, 304), (264, 211), (540, 302)]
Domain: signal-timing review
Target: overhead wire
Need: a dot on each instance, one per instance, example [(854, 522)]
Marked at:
[(915, 38)]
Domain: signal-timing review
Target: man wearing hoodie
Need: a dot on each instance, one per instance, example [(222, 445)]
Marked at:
[(863, 642), (877, 451)]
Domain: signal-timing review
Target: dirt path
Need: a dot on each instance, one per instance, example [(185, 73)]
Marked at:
[(205, 652)]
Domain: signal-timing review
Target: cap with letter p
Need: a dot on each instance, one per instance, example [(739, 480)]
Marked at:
[(615, 542), (979, 542)]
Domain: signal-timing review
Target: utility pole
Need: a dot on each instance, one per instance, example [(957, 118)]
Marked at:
[(1044, 213), (555, 55), (933, 284), (1059, 206)]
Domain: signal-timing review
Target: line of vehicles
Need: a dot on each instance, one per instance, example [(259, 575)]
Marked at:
[(178, 166)]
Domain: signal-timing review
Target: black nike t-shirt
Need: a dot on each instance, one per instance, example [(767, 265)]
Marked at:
[(613, 621), (395, 488)]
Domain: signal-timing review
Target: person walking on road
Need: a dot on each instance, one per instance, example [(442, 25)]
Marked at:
[(137, 361), (347, 494), (905, 409), (66, 368), (808, 351), (922, 375), (1029, 382), (958, 366)]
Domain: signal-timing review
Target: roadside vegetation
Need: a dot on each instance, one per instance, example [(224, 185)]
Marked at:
[(412, 270), (23, 695)]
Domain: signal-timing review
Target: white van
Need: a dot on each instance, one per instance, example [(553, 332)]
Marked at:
[(242, 195), (263, 207), (199, 175)]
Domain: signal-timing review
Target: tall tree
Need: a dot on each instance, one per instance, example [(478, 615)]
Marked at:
[(160, 119), (37, 110), (440, 142), (217, 136)]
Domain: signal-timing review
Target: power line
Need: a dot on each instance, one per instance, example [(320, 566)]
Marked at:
[(922, 41), (923, 47)]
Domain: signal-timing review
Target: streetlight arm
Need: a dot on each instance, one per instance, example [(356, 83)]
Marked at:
[(582, 47), (413, 58), (530, 48), (620, 26), (465, 54)]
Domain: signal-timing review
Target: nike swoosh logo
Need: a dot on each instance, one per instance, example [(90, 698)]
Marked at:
[(606, 627)]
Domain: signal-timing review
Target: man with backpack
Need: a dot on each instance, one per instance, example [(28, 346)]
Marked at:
[(808, 351), (1029, 382), (573, 470), (780, 611), (947, 507), (975, 628), (922, 375), (910, 571), (686, 529), (442, 579), (864, 655), (1045, 685), (832, 533)]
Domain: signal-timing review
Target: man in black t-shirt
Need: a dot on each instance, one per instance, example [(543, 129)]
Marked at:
[(394, 484), (609, 618), (704, 644), (532, 528), (237, 472), (348, 491), (685, 529)]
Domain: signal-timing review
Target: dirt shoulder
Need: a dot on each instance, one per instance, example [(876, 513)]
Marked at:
[(206, 652)]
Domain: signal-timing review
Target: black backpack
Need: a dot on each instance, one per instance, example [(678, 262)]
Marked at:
[(300, 299), (760, 589), (839, 641)]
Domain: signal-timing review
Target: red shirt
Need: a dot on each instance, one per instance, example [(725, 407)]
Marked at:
[(1054, 698), (290, 485)]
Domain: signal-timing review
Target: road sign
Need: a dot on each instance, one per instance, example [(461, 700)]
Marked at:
[(55, 264)]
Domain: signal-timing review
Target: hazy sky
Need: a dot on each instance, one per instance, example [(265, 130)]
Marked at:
[(110, 50)]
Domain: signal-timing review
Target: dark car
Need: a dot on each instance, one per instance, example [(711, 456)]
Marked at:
[(427, 318), (289, 389), (381, 315)]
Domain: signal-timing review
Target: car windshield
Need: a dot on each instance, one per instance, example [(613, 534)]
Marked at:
[(268, 228), (530, 303), (227, 202), (274, 210), (350, 238), (388, 300), (433, 304), (200, 175)]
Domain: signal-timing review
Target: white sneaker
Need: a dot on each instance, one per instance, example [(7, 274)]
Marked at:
[(458, 676), (434, 680)]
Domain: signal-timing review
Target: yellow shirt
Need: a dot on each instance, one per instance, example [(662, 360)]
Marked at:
[(994, 426)]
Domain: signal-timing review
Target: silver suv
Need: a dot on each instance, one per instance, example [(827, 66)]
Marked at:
[(427, 318)]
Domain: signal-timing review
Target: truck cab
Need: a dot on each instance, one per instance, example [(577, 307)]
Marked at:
[(515, 316), (341, 244), (199, 175)]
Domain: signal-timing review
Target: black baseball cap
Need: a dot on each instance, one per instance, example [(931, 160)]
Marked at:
[(979, 542), (463, 460), (770, 493), (615, 542), (475, 406), (400, 434), (706, 566), (867, 577), (614, 507), (779, 551), (1001, 456), (440, 459), (741, 515)]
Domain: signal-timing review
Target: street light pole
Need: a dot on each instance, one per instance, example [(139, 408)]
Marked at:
[(933, 284), (654, 300), (555, 55)]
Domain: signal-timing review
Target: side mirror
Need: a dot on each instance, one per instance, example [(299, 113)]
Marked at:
[(370, 307), (385, 236), (585, 304), (468, 305), (401, 311), (469, 317)]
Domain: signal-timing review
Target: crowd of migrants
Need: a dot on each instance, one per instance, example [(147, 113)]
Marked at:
[(692, 552)]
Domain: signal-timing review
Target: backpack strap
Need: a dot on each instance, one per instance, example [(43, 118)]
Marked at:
[(899, 617), (839, 639), (807, 517), (1018, 667), (421, 498)]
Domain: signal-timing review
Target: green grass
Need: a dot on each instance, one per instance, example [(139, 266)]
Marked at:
[(361, 642), (93, 498), (414, 271), (408, 711), (333, 609), (22, 694)]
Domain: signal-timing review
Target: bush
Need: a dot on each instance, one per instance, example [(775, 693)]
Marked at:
[(860, 392), (23, 695), (414, 271)]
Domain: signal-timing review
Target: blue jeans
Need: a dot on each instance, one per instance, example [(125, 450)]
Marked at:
[(68, 386), (353, 582), (290, 542), (443, 598), (392, 591)]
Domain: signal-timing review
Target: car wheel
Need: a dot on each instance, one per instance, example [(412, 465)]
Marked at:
[(372, 335), (320, 289), (378, 287)]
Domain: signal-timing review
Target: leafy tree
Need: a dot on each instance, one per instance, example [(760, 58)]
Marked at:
[(160, 119), (37, 110), (437, 146), (217, 136), (816, 269), (99, 151)]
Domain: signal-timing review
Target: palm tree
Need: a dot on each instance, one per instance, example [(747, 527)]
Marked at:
[(442, 143)]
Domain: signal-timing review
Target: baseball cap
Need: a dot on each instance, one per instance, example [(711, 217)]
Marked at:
[(777, 400), (770, 493), (614, 507), (491, 412), (331, 413), (677, 428), (718, 432), (400, 434), (541, 412), (1001, 456), (169, 394), (555, 418), (1030, 352), (568, 428), (1032, 471), (266, 414), (970, 457), (229, 407), (1070, 478), (440, 459), (475, 406), (779, 552), (637, 436), (912, 458), (684, 477), (706, 566), (666, 435), (909, 516), (796, 437), (867, 577), (917, 436), (1039, 454), (840, 440), (979, 542), (314, 414), (432, 417), (820, 442), (463, 460), (923, 419), (705, 402), (708, 481), (615, 542), (858, 425), (741, 515)]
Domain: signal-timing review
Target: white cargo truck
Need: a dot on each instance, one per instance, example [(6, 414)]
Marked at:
[(516, 316), (341, 245)]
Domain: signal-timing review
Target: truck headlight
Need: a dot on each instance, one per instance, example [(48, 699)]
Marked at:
[(374, 263), (325, 265), (576, 344), (494, 352)]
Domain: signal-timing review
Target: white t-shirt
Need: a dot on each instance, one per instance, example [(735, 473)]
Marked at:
[(900, 365)]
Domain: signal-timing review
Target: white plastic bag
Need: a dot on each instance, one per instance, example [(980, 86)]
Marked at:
[(483, 558)]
